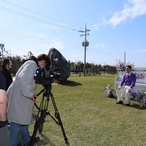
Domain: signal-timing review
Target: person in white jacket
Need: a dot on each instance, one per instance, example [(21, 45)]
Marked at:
[(21, 97)]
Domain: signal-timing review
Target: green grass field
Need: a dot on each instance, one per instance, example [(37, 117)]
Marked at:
[(91, 119)]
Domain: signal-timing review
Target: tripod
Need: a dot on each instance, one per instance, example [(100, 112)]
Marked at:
[(43, 112)]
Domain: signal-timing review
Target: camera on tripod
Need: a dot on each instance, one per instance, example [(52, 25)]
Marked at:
[(46, 75)]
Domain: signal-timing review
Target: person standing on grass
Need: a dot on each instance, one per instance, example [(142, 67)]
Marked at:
[(4, 133), (21, 97), (126, 86), (6, 67)]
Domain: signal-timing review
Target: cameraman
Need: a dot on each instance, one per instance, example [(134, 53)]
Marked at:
[(44, 60), (21, 97)]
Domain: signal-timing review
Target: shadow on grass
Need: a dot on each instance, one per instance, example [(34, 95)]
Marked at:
[(137, 106), (133, 103), (46, 142), (70, 83)]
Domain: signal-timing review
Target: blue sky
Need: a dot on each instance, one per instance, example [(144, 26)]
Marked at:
[(116, 26)]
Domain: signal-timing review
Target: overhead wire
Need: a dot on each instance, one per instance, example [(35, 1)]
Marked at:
[(21, 36), (40, 14), (28, 37), (13, 34), (30, 17), (18, 35)]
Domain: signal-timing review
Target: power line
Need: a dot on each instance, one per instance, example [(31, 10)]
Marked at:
[(21, 36), (13, 34), (24, 15), (21, 14), (41, 14)]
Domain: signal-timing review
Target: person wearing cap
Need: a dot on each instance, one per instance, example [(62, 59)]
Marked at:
[(21, 97), (126, 86)]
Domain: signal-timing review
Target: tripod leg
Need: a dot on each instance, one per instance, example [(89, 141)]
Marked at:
[(43, 111), (34, 132), (57, 115), (41, 125), (39, 119)]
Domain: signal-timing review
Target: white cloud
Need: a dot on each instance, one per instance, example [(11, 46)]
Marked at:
[(51, 26), (62, 24), (58, 25), (37, 43), (139, 51), (131, 10), (100, 45), (45, 41), (56, 43), (102, 22), (96, 26)]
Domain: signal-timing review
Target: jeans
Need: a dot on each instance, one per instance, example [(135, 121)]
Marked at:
[(15, 130)]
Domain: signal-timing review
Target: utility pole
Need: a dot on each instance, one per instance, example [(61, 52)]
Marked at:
[(84, 44), (124, 58), (2, 50)]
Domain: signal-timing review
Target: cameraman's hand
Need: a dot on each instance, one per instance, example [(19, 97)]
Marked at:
[(56, 73), (33, 97)]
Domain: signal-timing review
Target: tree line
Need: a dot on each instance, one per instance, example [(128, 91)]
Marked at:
[(75, 67)]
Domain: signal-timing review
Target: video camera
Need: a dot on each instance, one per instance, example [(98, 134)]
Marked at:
[(46, 75)]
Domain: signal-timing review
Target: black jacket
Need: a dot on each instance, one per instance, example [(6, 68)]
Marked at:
[(7, 76)]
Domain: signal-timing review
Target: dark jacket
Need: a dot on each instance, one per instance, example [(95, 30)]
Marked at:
[(2, 87), (7, 76)]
